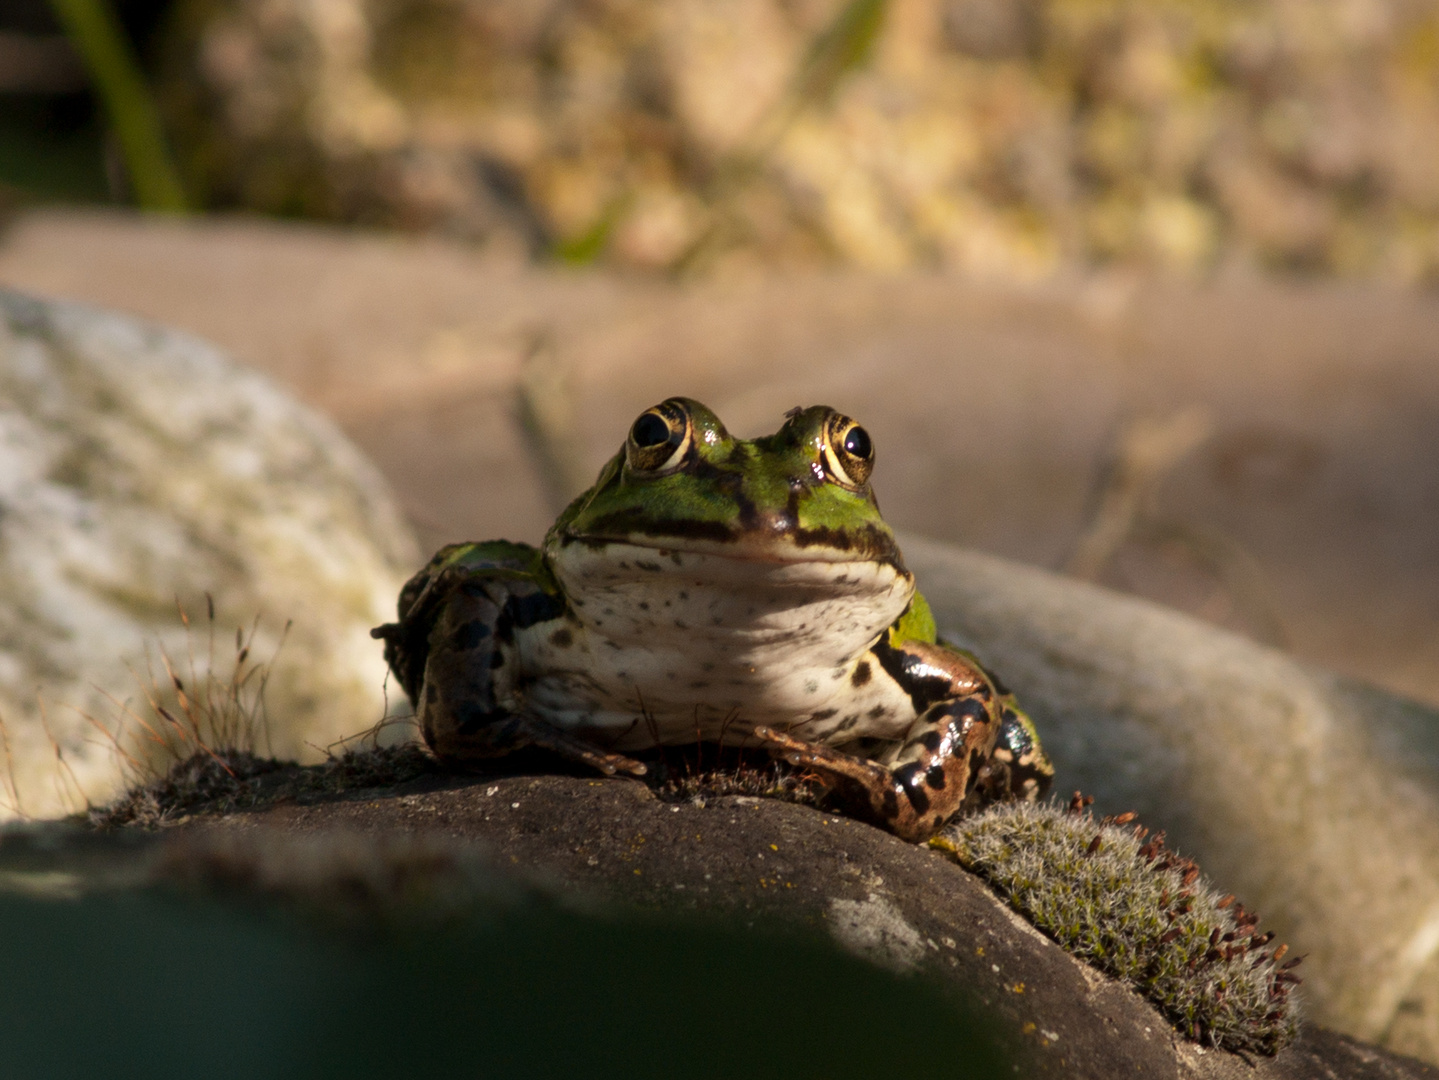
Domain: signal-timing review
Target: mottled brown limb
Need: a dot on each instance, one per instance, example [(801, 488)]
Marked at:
[(515, 731), (866, 789), (930, 775), (470, 703)]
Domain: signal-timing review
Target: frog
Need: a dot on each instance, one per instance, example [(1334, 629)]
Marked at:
[(713, 589)]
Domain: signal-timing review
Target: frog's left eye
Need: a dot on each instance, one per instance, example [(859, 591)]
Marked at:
[(659, 438), (848, 452)]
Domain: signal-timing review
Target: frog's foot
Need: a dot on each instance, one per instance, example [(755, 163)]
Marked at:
[(893, 800), (547, 736), (1018, 769)]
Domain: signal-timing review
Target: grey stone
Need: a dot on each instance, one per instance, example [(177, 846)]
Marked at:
[(758, 866), (1313, 797), (141, 469)]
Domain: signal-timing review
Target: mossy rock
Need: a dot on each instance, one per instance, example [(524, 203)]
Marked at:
[(1314, 797)]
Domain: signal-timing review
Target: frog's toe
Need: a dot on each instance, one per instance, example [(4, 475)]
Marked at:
[(824, 760), (613, 763), (547, 736)]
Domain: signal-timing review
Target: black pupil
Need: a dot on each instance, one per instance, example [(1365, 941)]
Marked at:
[(857, 443), (650, 430)]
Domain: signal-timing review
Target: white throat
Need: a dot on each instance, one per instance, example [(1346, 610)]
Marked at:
[(767, 641)]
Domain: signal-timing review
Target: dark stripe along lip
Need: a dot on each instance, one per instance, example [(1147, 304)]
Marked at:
[(868, 544)]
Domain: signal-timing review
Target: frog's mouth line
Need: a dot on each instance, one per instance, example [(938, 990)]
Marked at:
[(754, 534), (790, 547)]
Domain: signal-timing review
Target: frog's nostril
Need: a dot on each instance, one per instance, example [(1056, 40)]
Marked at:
[(774, 522)]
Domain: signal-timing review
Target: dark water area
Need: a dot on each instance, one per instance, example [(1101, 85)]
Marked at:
[(152, 984)]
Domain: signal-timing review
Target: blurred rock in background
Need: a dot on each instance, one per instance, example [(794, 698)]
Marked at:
[(994, 407), (1004, 137), (141, 473)]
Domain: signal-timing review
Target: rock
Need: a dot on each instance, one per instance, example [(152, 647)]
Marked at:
[(1313, 797), (140, 469), (1003, 137), (365, 955), (770, 871)]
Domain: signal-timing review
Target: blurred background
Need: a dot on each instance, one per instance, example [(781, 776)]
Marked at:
[(1001, 137), (1140, 291)]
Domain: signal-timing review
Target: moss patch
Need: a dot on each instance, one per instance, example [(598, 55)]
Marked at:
[(1119, 900)]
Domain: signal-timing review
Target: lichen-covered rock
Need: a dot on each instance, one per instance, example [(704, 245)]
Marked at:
[(1313, 797), (1000, 136), (140, 471)]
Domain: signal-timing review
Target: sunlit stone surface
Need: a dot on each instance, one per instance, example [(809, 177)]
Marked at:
[(140, 468)]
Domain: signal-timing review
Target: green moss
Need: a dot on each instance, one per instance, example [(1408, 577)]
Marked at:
[(1138, 912)]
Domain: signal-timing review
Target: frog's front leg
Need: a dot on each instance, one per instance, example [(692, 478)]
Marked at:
[(926, 784), (463, 676), (947, 755)]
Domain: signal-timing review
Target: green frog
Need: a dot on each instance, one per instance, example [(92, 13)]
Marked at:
[(712, 589)]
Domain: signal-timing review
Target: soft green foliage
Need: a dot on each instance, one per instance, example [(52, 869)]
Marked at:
[(844, 46), (589, 244), (98, 37), (1139, 913), (1003, 138)]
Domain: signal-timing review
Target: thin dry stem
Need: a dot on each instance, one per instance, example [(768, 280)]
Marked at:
[(15, 805), (1125, 510), (65, 769), (546, 406), (1146, 451), (131, 761), (369, 739), (197, 710)]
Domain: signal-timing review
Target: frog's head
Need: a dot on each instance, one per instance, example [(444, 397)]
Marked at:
[(681, 482)]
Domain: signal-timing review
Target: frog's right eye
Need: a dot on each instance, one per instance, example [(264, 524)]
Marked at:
[(659, 438), (848, 451)]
